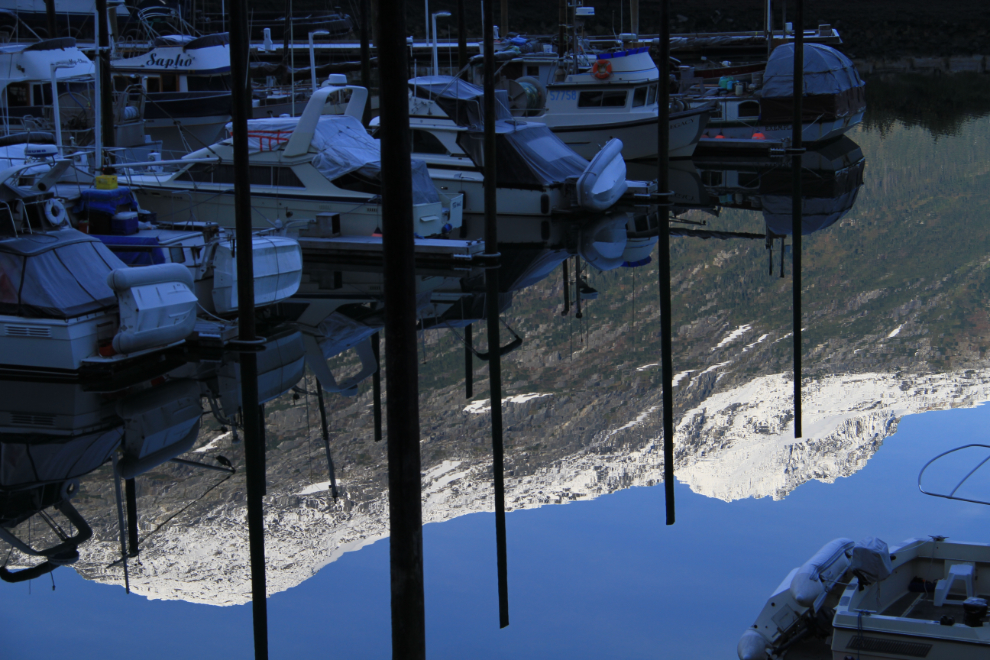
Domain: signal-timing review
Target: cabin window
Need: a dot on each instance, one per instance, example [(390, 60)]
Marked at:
[(614, 99), (176, 255), (207, 83), (424, 142), (170, 83), (17, 95), (286, 178), (639, 97), (749, 109), (42, 94), (357, 182), (749, 180), (652, 98), (154, 84), (715, 112), (532, 70), (590, 99), (711, 179)]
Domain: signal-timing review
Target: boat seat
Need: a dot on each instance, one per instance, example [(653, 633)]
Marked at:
[(958, 572)]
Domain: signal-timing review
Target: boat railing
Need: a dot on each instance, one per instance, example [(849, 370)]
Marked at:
[(952, 494)]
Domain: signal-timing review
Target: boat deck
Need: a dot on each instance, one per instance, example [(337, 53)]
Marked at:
[(913, 605)]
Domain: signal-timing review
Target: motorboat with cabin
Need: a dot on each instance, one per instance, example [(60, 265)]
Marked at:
[(923, 598), (537, 173), (32, 71), (185, 83), (300, 167), (761, 106), (208, 251), (68, 306), (586, 107)]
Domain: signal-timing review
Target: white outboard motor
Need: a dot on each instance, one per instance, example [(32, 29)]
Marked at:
[(603, 182), (157, 306), (277, 272), (801, 593)]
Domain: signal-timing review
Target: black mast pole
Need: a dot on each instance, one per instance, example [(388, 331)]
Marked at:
[(401, 371), (251, 416), (664, 194), (492, 314), (365, 6), (797, 148), (106, 84)]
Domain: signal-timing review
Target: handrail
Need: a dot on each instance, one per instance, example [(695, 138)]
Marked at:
[(952, 495)]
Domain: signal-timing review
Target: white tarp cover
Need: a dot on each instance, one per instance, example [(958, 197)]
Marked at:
[(343, 146), (527, 154), (826, 71), (871, 560), (55, 275)]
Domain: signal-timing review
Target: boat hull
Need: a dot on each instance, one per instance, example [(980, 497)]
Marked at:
[(639, 138), (358, 217)]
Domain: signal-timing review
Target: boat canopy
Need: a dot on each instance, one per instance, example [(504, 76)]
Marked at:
[(57, 275), (816, 213), (528, 155), (342, 147), (832, 86), (463, 102)]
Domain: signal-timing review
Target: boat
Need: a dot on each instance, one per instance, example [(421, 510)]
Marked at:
[(615, 98), (68, 306), (204, 248), (762, 107), (31, 70), (185, 83), (537, 173), (300, 168)]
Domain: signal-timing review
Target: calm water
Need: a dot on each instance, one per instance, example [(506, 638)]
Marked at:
[(896, 369)]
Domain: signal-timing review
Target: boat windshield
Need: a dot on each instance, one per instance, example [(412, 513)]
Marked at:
[(45, 276)]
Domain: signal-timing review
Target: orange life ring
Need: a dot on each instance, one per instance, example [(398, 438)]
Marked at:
[(602, 69)]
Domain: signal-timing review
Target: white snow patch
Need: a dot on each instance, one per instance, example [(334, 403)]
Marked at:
[(648, 366), (713, 368), (679, 377), (320, 487), (212, 444), (483, 406), (636, 422), (734, 335), (895, 332), (758, 341)]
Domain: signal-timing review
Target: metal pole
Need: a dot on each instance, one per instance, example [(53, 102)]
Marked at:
[(796, 150), (366, 81), (106, 83), (130, 494), (663, 186), (468, 363), (492, 313), (251, 416), (120, 523), (577, 288), (567, 288), (401, 371), (376, 385), (98, 91), (562, 28), (504, 28), (50, 15), (326, 440), (462, 56)]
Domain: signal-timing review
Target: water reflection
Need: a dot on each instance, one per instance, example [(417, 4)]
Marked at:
[(895, 323)]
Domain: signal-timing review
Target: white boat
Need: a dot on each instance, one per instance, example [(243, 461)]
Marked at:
[(923, 598), (67, 304), (537, 173), (28, 74), (833, 100), (185, 81), (300, 168), (616, 98)]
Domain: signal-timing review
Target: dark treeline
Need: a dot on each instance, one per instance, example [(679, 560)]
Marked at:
[(869, 29)]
